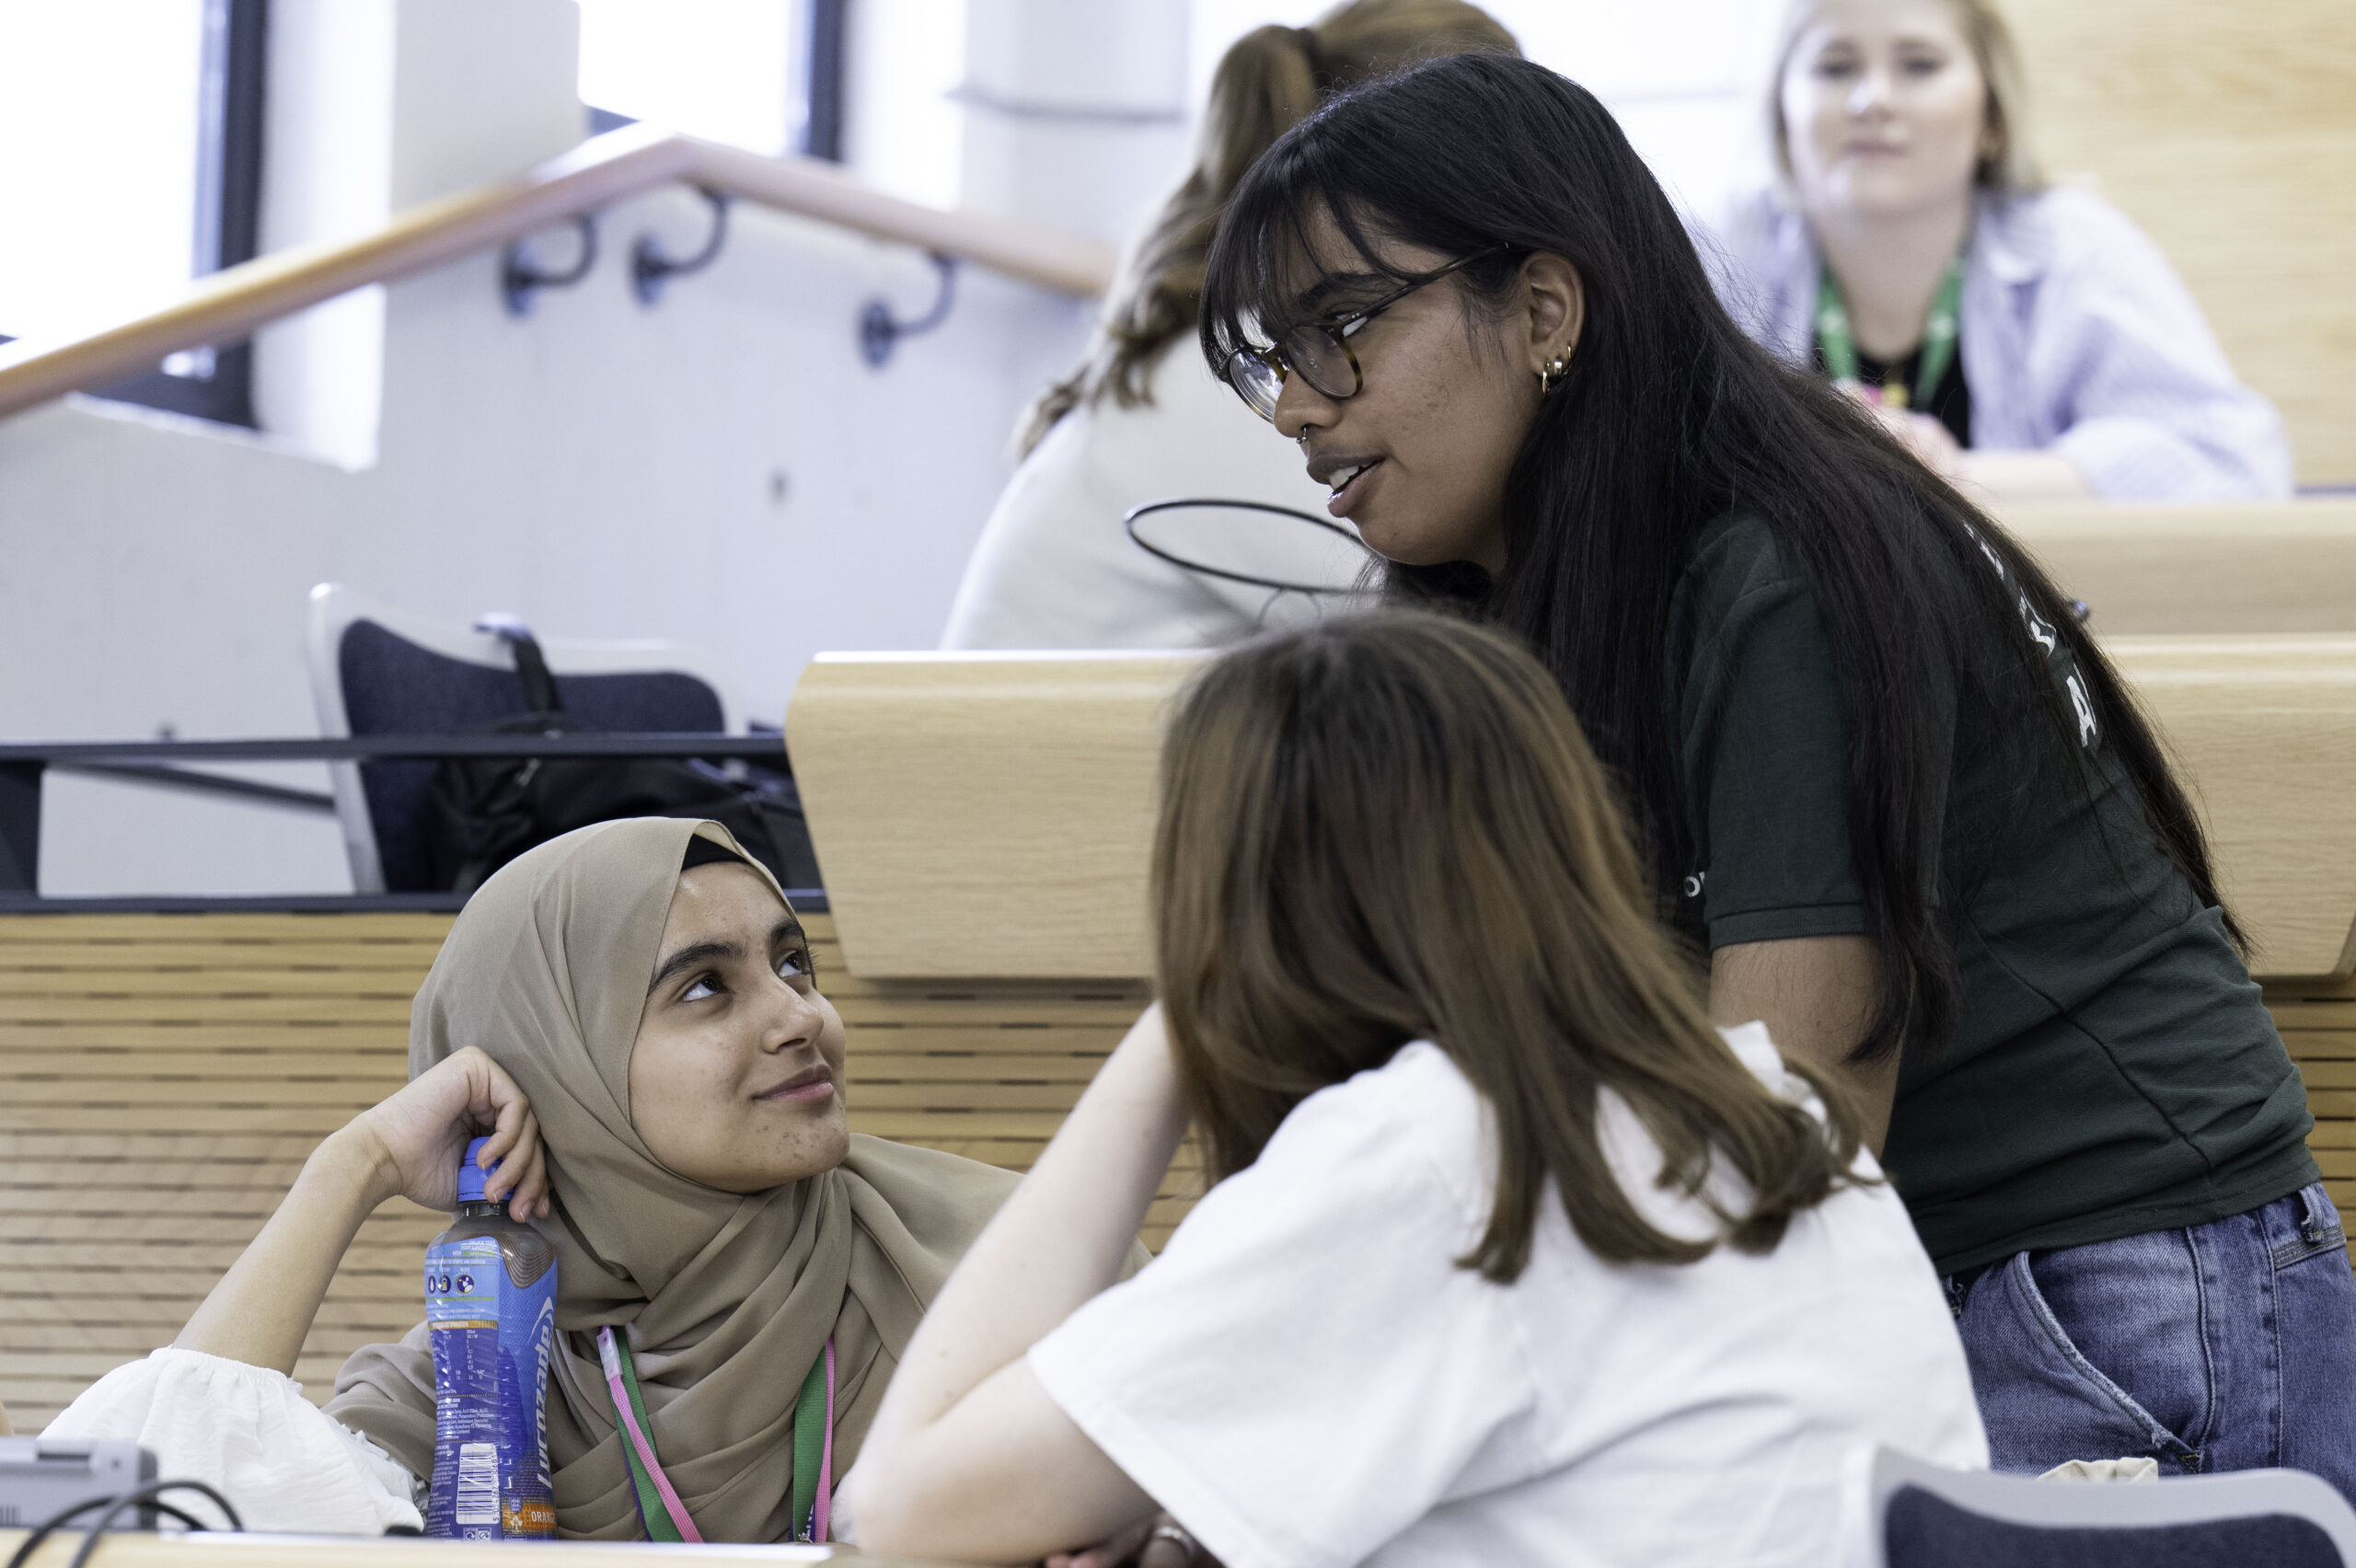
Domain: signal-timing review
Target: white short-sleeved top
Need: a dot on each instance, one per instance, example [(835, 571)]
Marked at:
[(1305, 1377)]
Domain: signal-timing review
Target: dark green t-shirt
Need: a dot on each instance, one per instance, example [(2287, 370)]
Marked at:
[(2113, 1071)]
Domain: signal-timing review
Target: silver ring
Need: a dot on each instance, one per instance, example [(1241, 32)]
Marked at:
[(1175, 1533)]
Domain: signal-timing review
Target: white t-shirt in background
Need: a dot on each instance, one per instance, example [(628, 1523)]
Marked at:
[(1304, 1377), (1055, 568)]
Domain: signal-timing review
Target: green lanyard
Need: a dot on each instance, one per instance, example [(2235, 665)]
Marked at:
[(659, 1507), (1839, 344)]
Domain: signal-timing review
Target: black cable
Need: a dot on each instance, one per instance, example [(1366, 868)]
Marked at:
[(1129, 526), (147, 1496), (114, 1502), (48, 1527)]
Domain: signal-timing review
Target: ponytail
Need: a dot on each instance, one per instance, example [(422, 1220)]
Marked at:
[(1268, 81)]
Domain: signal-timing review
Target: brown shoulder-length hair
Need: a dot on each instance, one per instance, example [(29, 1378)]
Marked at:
[(1267, 81), (1388, 828)]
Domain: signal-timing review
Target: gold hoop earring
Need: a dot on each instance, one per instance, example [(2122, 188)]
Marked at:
[(1551, 374)]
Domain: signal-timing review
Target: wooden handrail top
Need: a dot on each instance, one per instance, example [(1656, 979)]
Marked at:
[(230, 303)]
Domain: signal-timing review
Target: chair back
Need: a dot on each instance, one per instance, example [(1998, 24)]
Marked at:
[(1920, 1515), (985, 815), (377, 671)]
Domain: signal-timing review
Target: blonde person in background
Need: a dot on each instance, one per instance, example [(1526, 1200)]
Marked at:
[(1142, 420), (2022, 338)]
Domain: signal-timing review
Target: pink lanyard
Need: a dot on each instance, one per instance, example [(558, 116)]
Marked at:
[(821, 1506)]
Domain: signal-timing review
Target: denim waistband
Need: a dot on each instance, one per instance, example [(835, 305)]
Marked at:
[(2318, 1225)]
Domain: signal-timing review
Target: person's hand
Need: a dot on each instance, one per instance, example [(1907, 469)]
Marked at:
[(1932, 444), (413, 1141), (1156, 1542)]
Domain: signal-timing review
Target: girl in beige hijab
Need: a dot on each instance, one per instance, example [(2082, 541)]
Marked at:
[(627, 1011)]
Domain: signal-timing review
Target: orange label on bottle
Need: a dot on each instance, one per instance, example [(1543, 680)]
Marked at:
[(527, 1516)]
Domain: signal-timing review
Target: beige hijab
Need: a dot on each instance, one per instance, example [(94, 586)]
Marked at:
[(728, 1298)]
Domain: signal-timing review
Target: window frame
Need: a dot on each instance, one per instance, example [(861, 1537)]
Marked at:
[(216, 383), (825, 37)]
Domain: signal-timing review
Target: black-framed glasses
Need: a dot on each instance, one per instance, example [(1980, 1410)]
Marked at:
[(1319, 351)]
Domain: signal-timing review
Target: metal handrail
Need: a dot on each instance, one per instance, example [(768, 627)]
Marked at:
[(228, 304)]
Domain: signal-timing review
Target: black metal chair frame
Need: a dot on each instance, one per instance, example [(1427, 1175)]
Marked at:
[(167, 763)]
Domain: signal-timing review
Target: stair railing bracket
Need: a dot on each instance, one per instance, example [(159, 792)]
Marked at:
[(651, 266), (520, 278), (880, 331)]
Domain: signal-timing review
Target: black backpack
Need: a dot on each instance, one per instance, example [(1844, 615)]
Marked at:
[(481, 812)]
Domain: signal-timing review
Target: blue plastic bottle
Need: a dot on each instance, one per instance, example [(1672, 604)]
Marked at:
[(490, 1310)]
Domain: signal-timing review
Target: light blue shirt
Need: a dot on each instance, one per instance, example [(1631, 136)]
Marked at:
[(2078, 339)]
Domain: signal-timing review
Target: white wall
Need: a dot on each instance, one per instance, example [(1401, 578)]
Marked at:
[(601, 468)]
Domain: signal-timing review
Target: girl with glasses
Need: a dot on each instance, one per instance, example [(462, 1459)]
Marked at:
[(1887, 782)]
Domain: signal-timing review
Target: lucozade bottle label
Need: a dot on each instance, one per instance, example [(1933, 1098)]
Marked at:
[(491, 1313)]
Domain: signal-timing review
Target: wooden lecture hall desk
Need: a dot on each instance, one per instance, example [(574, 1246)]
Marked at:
[(982, 822)]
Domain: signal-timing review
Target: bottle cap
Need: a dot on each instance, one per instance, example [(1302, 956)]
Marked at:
[(470, 1175)]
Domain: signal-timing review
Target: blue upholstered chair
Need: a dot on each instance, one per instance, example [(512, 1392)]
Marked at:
[(1919, 1515), (376, 671)]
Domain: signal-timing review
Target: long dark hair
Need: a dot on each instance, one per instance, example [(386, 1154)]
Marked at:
[(1388, 828), (1670, 418)]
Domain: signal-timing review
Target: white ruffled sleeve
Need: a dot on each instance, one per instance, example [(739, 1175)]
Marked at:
[(250, 1434)]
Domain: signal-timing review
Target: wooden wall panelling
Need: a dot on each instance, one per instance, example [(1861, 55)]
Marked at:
[(2318, 1018), (2227, 133)]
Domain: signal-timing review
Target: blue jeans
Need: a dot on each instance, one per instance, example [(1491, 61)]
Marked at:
[(2224, 1346)]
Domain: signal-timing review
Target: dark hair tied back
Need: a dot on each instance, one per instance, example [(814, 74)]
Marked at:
[(1267, 81)]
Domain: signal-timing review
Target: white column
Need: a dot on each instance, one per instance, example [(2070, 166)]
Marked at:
[(1075, 111), (373, 106)]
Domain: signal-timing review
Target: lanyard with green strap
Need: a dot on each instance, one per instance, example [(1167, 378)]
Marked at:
[(659, 1507), (1837, 343)]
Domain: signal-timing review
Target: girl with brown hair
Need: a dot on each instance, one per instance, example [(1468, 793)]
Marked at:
[(1139, 420), (1511, 1257)]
